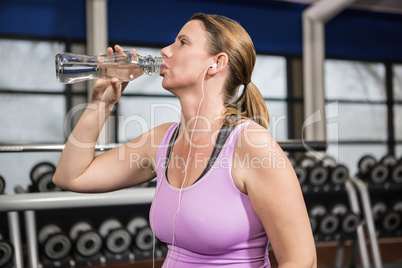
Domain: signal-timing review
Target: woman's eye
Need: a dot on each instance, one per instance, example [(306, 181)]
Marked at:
[(182, 42)]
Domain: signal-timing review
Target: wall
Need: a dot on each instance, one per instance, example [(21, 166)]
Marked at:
[(275, 27)]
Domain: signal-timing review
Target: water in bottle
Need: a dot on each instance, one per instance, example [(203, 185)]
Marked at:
[(126, 66)]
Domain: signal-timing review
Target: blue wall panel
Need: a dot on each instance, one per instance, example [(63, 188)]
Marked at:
[(275, 27), (365, 35), (43, 18)]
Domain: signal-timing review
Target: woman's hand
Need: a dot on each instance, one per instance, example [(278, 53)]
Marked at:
[(108, 91)]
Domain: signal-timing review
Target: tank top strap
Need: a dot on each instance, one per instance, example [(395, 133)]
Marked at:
[(235, 133), (232, 140), (164, 146)]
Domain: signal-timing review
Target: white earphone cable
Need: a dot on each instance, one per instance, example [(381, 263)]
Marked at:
[(184, 180)]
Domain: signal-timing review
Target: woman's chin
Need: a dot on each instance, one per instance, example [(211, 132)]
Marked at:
[(168, 86)]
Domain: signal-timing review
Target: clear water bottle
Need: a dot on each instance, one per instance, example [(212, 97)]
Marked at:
[(126, 66)]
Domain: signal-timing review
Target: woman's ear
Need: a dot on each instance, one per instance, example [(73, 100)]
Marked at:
[(221, 61)]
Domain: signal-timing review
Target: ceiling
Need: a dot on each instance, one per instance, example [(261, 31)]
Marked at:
[(387, 6)]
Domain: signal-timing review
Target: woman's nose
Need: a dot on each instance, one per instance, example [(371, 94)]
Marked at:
[(166, 52)]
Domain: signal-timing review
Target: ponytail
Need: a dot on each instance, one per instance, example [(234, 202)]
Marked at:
[(250, 105), (228, 36)]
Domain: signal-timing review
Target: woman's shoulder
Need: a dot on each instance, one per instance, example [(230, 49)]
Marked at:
[(160, 131), (248, 126), (152, 138), (253, 136)]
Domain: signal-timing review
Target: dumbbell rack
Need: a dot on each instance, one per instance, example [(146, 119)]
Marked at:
[(31, 202), (353, 187)]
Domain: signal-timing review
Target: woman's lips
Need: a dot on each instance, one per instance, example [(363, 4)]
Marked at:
[(164, 68)]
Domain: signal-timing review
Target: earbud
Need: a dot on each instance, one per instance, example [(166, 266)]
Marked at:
[(214, 65)]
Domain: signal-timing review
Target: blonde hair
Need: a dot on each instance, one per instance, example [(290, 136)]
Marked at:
[(228, 36)]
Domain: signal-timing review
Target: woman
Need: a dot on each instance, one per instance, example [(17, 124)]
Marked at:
[(224, 186)]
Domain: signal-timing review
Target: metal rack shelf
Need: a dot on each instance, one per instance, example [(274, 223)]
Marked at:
[(288, 145), (30, 202), (51, 200)]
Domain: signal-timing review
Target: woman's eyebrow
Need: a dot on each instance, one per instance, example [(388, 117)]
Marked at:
[(182, 36)]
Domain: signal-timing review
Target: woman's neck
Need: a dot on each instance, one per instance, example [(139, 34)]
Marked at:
[(202, 116)]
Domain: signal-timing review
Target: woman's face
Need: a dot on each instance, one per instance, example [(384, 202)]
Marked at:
[(187, 58)]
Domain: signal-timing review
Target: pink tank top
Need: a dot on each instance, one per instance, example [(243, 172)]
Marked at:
[(216, 225)]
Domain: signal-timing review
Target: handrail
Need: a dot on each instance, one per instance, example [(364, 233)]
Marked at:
[(287, 145), (355, 208), (363, 189), (17, 148), (302, 146), (53, 200)]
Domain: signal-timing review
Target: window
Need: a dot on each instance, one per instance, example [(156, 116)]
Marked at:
[(354, 81), (397, 93), (270, 77), (358, 90), (33, 105), (29, 90)]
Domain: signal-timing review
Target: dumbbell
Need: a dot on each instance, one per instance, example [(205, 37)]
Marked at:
[(309, 170), (315, 213), (2, 185), (329, 161), (394, 167), (349, 221), (55, 244), (327, 222), (387, 219), (301, 173), (372, 171), (396, 173), (143, 236), (313, 223), (316, 172), (397, 207), (42, 177), (6, 252), (87, 241), (307, 161), (338, 174), (117, 239)]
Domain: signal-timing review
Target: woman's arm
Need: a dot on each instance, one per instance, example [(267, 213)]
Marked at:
[(275, 195), (130, 164)]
